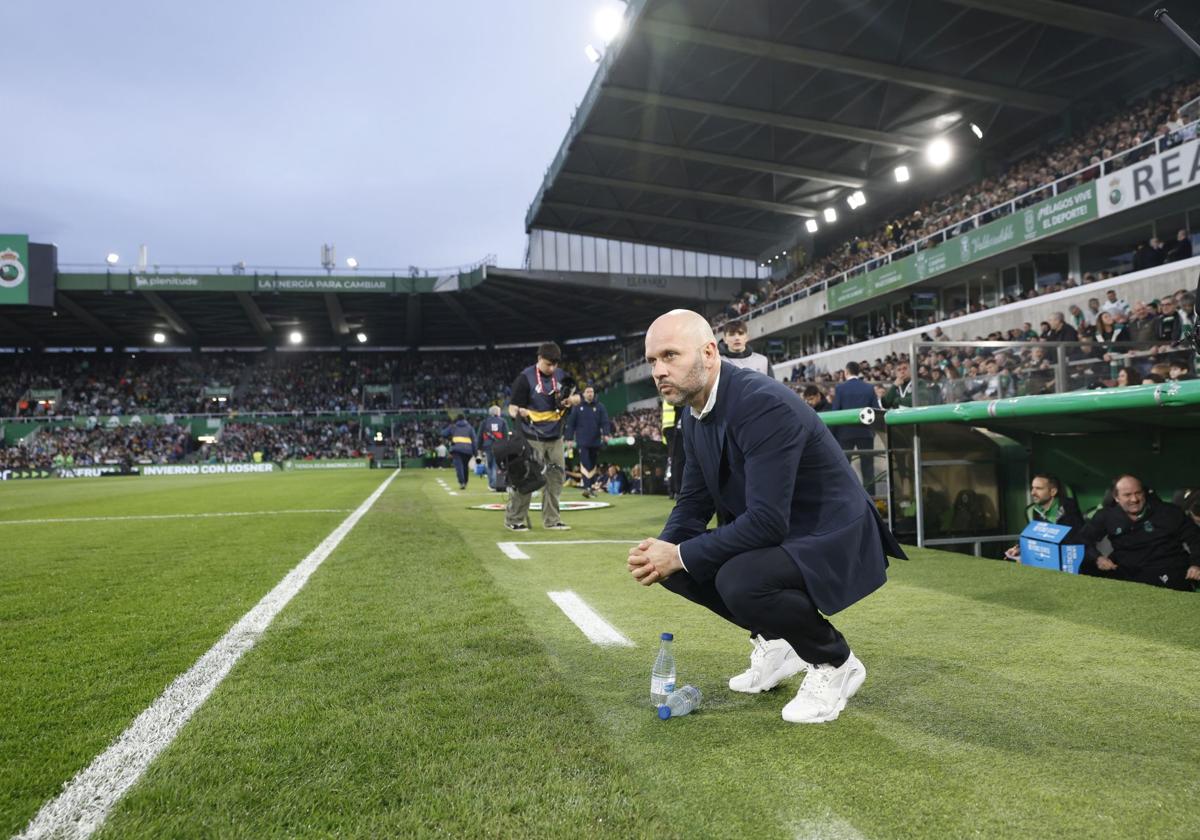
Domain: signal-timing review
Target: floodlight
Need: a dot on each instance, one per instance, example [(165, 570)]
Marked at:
[(159, 338), (351, 262), (362, 337), (939, 151), (609, 21), (901, 173), (977, 131), (295, 337), (112, 258), (593, 54), (856, 199), (830, 215), (811, 226)]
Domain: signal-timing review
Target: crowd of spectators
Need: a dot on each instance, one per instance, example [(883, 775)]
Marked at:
[(1112, 344), (644, 424), (121, 384), (1023, 183), (98, 446), (297, 441)]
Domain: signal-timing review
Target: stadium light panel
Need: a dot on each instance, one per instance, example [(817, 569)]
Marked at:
[(901, 173), (856, 199), (362, 337), (295, 337), (977, 131), (351, 262), (830, 215), (593, 54), (811, 226), (112, 258), (939, 151), (609, 21), (160, 338)]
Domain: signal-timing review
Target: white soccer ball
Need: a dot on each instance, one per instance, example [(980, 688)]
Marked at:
[(866, 416)]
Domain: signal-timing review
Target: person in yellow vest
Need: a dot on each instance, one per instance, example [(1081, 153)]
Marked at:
[(675, 456)]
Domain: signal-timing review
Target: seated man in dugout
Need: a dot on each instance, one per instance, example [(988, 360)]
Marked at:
[(1048, 503), (1153, 541)]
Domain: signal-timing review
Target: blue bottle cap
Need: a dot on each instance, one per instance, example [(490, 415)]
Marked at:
[(666, 637), (664, 712)]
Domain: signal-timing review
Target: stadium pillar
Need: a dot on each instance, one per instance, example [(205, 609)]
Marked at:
[(917, 495), (1074, 263)]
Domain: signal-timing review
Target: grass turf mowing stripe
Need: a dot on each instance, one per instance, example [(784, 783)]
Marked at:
[(151, 516), (86, 800), (588, 620), (512, 551)]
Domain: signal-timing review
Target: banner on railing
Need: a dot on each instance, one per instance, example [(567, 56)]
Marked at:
[(1066, 210), (1162, 174)]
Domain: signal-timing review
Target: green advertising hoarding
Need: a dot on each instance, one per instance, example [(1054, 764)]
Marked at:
[(1066, 210), (14, 269)]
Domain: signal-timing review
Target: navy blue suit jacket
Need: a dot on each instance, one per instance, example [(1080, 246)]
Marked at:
[(767, 466), (854, 393)]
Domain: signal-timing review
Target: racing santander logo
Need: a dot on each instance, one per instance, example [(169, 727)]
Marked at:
[(12, 270)]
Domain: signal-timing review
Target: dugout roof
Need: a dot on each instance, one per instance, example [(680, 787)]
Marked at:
[(722, 126)]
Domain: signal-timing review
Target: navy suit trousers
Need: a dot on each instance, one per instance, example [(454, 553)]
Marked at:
[(763, 591)]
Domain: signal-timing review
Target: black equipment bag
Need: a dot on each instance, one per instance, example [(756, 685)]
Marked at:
[(522, 468)]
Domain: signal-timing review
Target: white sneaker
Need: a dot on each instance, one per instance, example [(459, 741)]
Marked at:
[(770, 664), (824, 692)]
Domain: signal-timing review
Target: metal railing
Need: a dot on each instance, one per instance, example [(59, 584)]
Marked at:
[(1006, 208)]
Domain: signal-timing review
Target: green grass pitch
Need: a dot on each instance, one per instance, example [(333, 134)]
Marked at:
[(423, 684)]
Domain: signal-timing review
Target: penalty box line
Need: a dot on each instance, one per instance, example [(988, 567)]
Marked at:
[(512, 551), (87, 799)]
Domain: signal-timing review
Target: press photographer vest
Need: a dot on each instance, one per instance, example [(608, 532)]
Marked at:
[(545, 418)]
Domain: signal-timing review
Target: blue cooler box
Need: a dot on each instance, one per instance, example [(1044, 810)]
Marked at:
[(1042, 546)]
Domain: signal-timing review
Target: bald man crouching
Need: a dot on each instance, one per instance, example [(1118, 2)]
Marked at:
[(796, 534)]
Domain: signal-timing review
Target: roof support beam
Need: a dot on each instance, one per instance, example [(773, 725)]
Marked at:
[(257, 320), (732, 161), (700, 195), (1076, 18), (80, 314), (894, 140), (337, 318), (661, 220), (174, 321), (867, 68), (412, 320), (467, 318)]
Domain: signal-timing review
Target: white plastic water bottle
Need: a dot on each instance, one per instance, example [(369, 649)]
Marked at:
[(662, 678), (680, 702)]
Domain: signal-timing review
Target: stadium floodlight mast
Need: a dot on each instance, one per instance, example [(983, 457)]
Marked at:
[(609, 22), (113, 258), (811, 226), (901, 173), (939, 151), (295, 337)]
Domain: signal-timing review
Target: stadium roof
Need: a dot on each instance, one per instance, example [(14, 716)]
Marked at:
[(722, 126), (486, 307)]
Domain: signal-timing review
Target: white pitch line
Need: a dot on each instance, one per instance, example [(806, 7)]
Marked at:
[(511, 550), (598, 630), (55, 520), (86, 800)]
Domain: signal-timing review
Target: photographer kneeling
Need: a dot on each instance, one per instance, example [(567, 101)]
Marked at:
[(541, 397)]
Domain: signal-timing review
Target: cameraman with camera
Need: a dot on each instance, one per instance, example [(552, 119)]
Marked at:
[(541, 397)]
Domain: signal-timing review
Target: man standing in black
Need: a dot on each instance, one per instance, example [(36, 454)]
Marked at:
[(1153, 541)]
